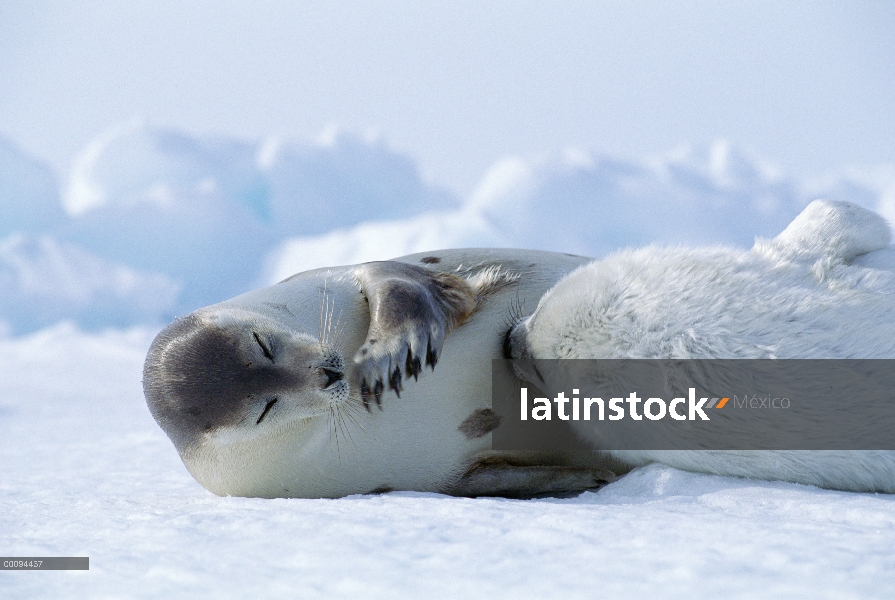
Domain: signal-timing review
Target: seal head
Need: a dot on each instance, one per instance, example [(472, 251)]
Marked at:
[(251, 371)]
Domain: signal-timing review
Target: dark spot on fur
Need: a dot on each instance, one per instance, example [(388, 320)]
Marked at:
[(479, 423), (372, 341), (279, 306), (382, 489), (430, 260)]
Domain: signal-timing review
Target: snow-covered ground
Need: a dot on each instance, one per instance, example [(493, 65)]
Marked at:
[(86, 472)]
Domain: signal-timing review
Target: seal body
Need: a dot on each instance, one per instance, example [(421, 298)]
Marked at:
[(301, 389), (824, 288)]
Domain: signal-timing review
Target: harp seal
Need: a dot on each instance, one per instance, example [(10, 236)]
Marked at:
[(302, 389)]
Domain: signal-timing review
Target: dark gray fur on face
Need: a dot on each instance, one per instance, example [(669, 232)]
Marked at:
[(199, 377)]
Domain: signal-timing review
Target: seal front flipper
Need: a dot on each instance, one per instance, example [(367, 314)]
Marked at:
[(411, 310)]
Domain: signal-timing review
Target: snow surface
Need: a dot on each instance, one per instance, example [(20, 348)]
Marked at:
[(86, 472)]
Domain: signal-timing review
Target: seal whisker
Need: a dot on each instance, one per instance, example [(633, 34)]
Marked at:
[(320, 328), (334, 431), (353, 411), (516, 312), (350, 413), (338, 334), (328, 321), (343, 427), (331, 331), (340, 415)]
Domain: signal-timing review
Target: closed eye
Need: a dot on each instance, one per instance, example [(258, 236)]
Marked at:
[(267, 408), (264, 347)]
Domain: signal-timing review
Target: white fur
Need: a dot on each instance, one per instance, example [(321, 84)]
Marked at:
[(823, 288)]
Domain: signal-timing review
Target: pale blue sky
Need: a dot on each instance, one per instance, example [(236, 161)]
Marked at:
[(457, 85)]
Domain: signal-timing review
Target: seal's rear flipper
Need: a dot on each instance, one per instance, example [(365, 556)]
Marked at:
[(411, 310), (828, 230), (498, 478)]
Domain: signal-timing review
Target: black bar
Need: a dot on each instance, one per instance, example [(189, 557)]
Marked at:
[(680, 404)]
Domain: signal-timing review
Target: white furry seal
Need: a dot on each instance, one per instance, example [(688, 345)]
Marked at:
[(265, 394), (823, 288)]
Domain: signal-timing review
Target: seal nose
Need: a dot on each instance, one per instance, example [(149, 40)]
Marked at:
[(514, 345), (332, 377)]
